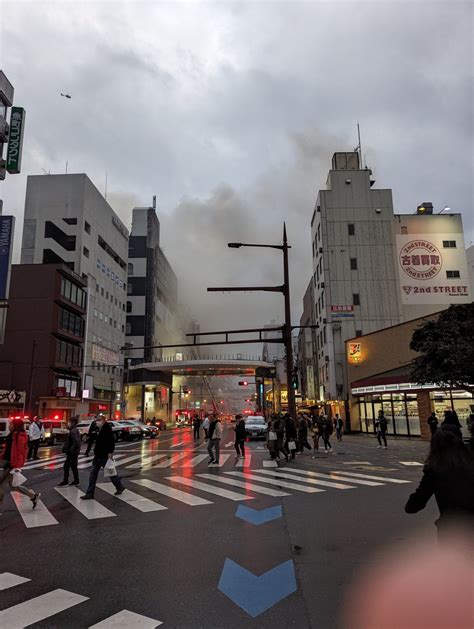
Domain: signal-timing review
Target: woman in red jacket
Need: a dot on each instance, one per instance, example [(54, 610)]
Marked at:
[(14, 457)]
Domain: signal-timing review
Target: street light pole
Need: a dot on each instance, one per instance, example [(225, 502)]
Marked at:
[(288, 341)]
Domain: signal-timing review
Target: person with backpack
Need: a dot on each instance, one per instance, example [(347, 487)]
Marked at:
[(432, 422), (339, 425), (71, 448), (327, 427), (35, 434), (240, 436), (381, 430), (14, 458)]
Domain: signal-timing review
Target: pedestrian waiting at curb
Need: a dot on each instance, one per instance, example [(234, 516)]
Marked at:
[(239, 437), (103, 451), (339, 425), (71, 449), (13, 459), (449, 476), (432, 422), (381, 430)]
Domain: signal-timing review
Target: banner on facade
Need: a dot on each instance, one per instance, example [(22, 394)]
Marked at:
[(15, 140), (105, 356), (342, 312), (12, 396), (7, 226), (432, 269)]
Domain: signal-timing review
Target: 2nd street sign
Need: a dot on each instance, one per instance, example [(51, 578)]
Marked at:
[(15, 140)]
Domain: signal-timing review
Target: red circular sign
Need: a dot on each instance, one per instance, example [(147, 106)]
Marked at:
[(420, 259)]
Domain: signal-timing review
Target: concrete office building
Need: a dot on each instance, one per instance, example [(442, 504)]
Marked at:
[(306, 352), (67, 220), (470, 267), (373, 269)]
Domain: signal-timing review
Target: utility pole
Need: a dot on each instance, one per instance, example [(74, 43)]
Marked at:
[(287, 335), (31, 410), (111, 398)]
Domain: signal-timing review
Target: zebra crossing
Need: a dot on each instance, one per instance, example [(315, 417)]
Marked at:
[(175, 488), (50, 604)]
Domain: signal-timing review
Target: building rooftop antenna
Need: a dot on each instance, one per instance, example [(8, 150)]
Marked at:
[(154, 202)]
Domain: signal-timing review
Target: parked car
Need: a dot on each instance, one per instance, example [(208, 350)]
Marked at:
[(117, 430), (129, 430), (83, 428), (256, 427), (161, 424), (150, 432)]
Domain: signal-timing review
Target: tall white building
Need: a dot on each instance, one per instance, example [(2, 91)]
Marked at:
[(470, 267), (373, 269), (68, 220)]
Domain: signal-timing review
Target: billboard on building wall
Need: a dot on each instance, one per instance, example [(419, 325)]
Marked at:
[(105, 356), (15, 140), (431, 271), (7, 226)]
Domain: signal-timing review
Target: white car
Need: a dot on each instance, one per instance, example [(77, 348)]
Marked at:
[(256, 427), (83, 428)]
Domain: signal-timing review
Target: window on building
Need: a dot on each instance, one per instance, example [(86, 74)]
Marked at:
[(351, 229), (102, 291), (128, 328), (70, 221), (324, 335), (106, 294), (449, 244), (116, 301), (97, 287), (129, 306), (101, 316), (95, 312), (404, 230), (452, 274), (106, 319), (358, 332), (319, 232), (356, 299), (313, 249), (130, 268), (129, 289), (322, 300), (123, 328), (87, 227), (73, 293), (85, 251), (353, 264)]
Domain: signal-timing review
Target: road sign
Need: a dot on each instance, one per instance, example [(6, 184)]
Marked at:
[(15, 140)]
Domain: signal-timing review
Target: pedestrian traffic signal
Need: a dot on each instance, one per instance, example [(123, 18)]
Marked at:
[(243, 383)]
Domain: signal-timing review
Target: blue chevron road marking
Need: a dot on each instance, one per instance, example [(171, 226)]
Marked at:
[(257, 594), (258, 517)]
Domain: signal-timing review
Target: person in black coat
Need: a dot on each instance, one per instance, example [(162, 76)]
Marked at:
[(240, 437), (92, 435), (432, 422), (451, 419), (104, 449), (449, 476), (71, 449), (291, 434)]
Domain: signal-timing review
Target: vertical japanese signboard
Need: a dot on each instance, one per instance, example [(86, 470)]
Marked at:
[(15, 140), (432, 269), (7, 225)]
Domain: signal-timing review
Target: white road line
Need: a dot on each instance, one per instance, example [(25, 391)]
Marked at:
[(356, 462), (270, 481), (195, 460), (217, 491), (44, 460), (91, 509), (223, 458), (46, 463), (39, 608), (147, 462), (9, 580), (128, 458), (32, 517), (410, 463), (340, 476), (127, 620), (88, 462), (176, 445), (384, 479), (170, 462), (324, 483), (258, 489), (131, 498), (244, 462), (177, 494), (270, 464)]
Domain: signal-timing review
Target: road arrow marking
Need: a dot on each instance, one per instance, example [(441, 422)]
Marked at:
[(257, 594), (258, 517)]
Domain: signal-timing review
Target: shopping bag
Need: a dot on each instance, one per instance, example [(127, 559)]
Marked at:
[(18, 478), (291, 445), (110, 469), (272, 436)]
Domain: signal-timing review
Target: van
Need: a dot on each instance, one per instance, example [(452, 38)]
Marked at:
[(55, 430)]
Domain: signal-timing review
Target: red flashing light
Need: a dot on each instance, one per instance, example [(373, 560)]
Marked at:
[(56, 417)]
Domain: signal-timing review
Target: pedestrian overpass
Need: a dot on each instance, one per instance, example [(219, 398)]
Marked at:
[(205, 367)]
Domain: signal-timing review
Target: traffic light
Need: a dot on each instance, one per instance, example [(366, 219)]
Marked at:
[(294, 380), (243, 383)]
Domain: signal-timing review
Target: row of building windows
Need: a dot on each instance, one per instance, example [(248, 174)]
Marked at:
[(112, 369), (109, 273), (106, 319), (70, 322), (105, 293), (108, 249), (73, 293), (68, 354), (70, 386)]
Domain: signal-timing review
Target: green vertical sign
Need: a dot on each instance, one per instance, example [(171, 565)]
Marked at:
[(15, 140)]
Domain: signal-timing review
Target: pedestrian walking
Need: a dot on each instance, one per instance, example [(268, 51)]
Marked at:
[(451, 419), (13, 459), (291, 435), (239, 437), (71, 449), (92, 435), (449, 476), (317, 433), (381, 430), (339, 425), (215, 435), (196, 427), (35, 434), (303, 433), (327, 429), (432, 422), (278, 427), (205, 427), (103, 451)]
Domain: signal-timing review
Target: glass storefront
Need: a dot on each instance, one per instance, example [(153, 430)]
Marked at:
[(401, 410)]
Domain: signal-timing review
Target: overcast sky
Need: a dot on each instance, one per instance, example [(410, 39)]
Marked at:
[(230, 113)]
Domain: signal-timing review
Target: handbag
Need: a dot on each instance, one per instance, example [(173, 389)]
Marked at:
[(110, 469), (17, 478), (291, 445), (272, 436)]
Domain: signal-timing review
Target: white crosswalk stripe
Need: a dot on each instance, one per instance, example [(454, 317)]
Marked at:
[(312, 481), (339, 476), (127, 459), (127, 620), (216, 491), (245, 462), (278, 483), (270, 464), (176, 445), (384, 479), (39, 608), (147, 462), (199, 458), (33, 517), (223, 458), (171, 492), (9, 580), (249, 486), (131, 498), (172, 460), (88, 462), (91, 509), (53, 461)]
